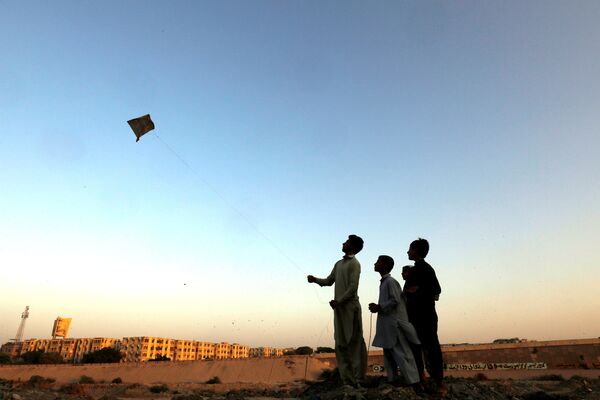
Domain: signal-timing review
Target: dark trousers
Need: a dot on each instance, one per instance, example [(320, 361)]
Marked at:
[(430, 346)]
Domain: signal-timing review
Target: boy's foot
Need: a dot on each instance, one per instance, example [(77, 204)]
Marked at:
[(441, 391), (418, 388)]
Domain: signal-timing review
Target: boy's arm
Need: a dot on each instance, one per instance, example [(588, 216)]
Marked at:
[(330, 280), (353, 277)]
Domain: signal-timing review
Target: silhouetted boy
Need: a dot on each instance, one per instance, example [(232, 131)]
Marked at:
[(350, 349), (394, 332), (422, 289)]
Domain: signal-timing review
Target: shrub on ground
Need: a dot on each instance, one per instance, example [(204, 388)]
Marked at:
[(213, 380), (159, 388), (86, 379)]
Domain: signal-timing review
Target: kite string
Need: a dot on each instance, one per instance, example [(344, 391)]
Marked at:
[(237, 211)]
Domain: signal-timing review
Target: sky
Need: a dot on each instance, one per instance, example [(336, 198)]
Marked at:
[(281, 128)]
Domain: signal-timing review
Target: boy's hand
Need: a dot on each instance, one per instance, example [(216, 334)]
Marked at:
[(411, 289), (333, 304), (374, 307), (311, 279)]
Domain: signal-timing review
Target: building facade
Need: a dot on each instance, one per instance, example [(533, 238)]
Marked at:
[(140, 349)]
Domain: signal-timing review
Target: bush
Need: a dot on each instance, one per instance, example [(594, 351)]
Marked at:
[(480, 376), (73, 388), (117, 380), (5, 358), (39, 382), (304, 350), (328, 374), (549, 377), (86, 379), (51, 358), (159, 388), (213, 380), (325, 350), (105, 355), (32, 357)]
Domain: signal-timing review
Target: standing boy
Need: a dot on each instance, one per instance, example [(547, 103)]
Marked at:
[(394, 332), (350, 349), (422, 289)]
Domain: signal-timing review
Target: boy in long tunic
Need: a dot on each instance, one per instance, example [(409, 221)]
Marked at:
[(394, 332), (350, 348)]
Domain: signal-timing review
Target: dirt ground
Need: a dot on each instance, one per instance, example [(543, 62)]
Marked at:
[(544, 387)]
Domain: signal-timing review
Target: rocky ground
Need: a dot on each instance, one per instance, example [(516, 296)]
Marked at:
[(549, 387)]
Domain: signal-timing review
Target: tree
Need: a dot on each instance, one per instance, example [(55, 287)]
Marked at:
[(304, 350), (105, 355), (4, 358), (51, 358), (32, 357), (325, 350)]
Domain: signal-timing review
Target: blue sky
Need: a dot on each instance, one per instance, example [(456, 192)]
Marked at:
[(474, 125)]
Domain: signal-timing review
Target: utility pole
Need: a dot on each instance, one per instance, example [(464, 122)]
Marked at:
[(24, 316)]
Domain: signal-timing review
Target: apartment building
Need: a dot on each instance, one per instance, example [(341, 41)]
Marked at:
[(138, 349), (222, 350), (237, 350), (265, 352), (71, 350), (205, 350), (183, 350), (67, 349), (144, 348), (260, 352)]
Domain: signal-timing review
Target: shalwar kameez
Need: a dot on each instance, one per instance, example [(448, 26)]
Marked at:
[(350, 349), (395, 333)]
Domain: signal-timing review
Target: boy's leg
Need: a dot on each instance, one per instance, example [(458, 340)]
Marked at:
[(403, 356), (344, 364), (390, 365), (432, 351), (358, 352), (417, 353)]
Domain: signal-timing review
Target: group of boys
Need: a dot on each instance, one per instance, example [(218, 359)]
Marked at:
[(406, 318)]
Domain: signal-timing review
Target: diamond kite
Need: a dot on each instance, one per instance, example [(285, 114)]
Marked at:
[(140, 126)]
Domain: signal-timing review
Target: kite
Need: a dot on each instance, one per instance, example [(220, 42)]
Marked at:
[(140, 126)]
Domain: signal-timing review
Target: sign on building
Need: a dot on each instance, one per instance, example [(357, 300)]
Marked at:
[(61, 327)]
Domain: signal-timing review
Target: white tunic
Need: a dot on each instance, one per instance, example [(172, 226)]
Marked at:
[(392, 318), (345, 275)]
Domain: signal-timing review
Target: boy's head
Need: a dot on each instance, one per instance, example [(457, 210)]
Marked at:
[(353, 245), (418, 249), (405, 272), (384, 265)]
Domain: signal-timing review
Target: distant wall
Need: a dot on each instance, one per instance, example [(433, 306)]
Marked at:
[(584, 353), (534, 355)]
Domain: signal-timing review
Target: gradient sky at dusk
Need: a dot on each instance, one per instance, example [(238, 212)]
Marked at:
[(472, 124)]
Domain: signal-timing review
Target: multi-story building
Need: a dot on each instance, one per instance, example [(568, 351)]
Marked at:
[(71, 350), (237, 350), (265, 352), (67, 349), (262, 352), (134, 349), (53, 346), (222, 350), (183, 350), (205, 350), (13, 349), (144, 348)]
